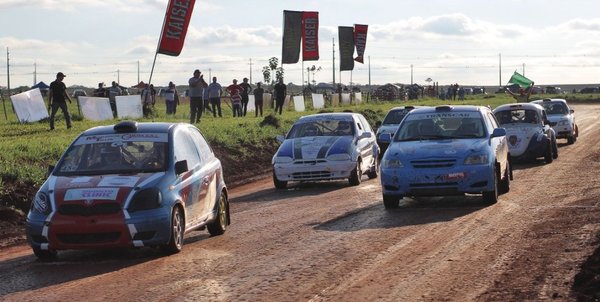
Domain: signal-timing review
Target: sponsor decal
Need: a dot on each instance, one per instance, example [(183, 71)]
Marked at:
[(120, 138), (92, 194), (81, 180), (119, 181), (429, 116)]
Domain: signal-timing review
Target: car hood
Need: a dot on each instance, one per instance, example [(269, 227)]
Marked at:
[(315, 147), (448, 148), (389, 128), (558, 117), (89, 189)]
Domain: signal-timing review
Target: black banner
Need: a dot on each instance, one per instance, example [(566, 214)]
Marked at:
[(346, 38), (292, 37)]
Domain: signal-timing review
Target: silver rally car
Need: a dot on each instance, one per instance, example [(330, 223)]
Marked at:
[(561, 117), (326, 146)]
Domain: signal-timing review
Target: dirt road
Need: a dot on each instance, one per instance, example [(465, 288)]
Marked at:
[(333, 242)]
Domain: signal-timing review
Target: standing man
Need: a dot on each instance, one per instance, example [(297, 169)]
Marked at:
[(57, 97), (197, 84), (246, 90), (170, 95), (148, 101), (258, 100), (214, 95), (113, 92), (280, 90)]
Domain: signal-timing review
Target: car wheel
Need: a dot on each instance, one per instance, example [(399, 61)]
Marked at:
[(571, 139), (221, 222), (44, 255), (491, 197), (549, 156), (279, 184), (356, 174), (554, 149), (390, 201), (374, 171), (505, 183), (177, 229)]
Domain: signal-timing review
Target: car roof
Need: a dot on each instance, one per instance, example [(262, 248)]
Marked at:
[(549, 100), (332, 116), (530, 106), (449, 108), (145, 127)]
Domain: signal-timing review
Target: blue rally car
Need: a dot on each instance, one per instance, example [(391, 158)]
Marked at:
[(129, 185), (446, 150)]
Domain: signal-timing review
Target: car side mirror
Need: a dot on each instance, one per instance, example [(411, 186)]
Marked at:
[(365, 135), (50, 170), (280, 138), (498, 132), (572, 111), (181, 167), (385, 137)]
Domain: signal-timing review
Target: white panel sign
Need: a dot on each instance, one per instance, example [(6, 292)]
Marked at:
[(318, 101), (299, 103), (29, 106), (345, 98), (267, 100), (251, 103), (129, 106), (95, 109), (357, 98)]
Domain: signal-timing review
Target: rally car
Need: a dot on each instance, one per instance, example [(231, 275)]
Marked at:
[(446, 150), (390, 124), (326, 146), (129, 185), (529, 133), (561, 117)]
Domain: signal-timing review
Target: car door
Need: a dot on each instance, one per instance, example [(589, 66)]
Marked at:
[(210, 171), (499, 144), (366, 146)]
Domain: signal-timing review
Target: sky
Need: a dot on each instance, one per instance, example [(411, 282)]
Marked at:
[(469, 42)]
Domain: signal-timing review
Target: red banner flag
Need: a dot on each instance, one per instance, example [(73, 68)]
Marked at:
[(177, 19), (360, 40), (310, 36)]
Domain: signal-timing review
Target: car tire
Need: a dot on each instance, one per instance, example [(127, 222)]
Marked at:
[(279, 184), (505, 183), (219, 225), (45, 255), (356, 174), (549, 156), (554, 149), (491, 197), (374, 171), (391, 201), (571, 139), (175, 244)]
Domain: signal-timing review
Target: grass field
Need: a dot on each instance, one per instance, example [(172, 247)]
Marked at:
[(243, 145)]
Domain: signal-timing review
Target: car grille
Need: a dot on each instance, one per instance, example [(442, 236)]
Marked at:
[(89, 238), (433, 163), (311, 175), (309, 162), (95, 209)]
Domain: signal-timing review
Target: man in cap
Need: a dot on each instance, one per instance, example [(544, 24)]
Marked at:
[(197, 84), (57, 97)]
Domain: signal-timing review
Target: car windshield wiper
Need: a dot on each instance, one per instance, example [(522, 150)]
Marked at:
[(466, 135), (424, 137)]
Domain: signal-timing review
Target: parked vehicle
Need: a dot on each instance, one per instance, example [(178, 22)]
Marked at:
[(446, 150), (590, 90), (79, 92), (326, 146), (528, 129), (129, 185), (389, 126), (561, 117)]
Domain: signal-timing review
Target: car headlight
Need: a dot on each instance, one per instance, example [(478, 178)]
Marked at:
[(282, 159), (339, 157), (563, 122), (477, 159), (41, 203), (391, 164), (146, 199)]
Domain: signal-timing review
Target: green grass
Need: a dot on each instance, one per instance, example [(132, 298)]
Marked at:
[(26, 150)]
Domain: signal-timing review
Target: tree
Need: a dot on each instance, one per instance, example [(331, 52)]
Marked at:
[(272, 73), (266, 71)]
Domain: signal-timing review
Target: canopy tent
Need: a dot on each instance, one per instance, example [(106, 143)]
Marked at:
[(41, 85)]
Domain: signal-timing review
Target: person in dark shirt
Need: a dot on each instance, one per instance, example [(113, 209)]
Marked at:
[(57, 97), (258, 100), (246, 89), (280, 90)]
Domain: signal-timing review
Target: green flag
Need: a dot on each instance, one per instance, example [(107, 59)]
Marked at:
[(520, 80)]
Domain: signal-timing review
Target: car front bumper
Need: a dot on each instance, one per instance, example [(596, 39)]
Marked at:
[(315, 170)]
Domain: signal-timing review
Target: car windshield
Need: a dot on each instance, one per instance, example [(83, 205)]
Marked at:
[(431, 126), (322, 128), (555, 108), (110, 154), (394, 117), (513, 116)]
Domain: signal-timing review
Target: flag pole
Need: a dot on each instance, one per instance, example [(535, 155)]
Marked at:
[(162, 28)]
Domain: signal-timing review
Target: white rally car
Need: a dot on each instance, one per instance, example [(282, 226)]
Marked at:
[(528, 131), (326, 146), (562, 118)]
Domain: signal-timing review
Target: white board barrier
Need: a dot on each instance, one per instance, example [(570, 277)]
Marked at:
[(318, 101), (345, 98), (129, 106), (251, 103), (299, 103), (95, 108), (357, 97), (267, 100), (29, 106)]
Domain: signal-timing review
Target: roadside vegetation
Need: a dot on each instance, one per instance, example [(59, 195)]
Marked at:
[(244, 145)]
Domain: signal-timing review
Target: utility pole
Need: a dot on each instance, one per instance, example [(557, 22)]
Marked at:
[(369, 57), (118, 76), (523, 69), (8, 71), (209, 75), (34, 73), (138, 63), (500, 69), (250, 70), (411, 74), (333, 41)]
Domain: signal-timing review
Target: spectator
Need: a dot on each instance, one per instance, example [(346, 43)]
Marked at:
[(280, 90), (56, 99), (101, 91), (258, 100), (170, 98), (235, 91), (113, 91), (148, 100), (522, 96), (206, 101), (246, 89), (214, 95), (197, 84)]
